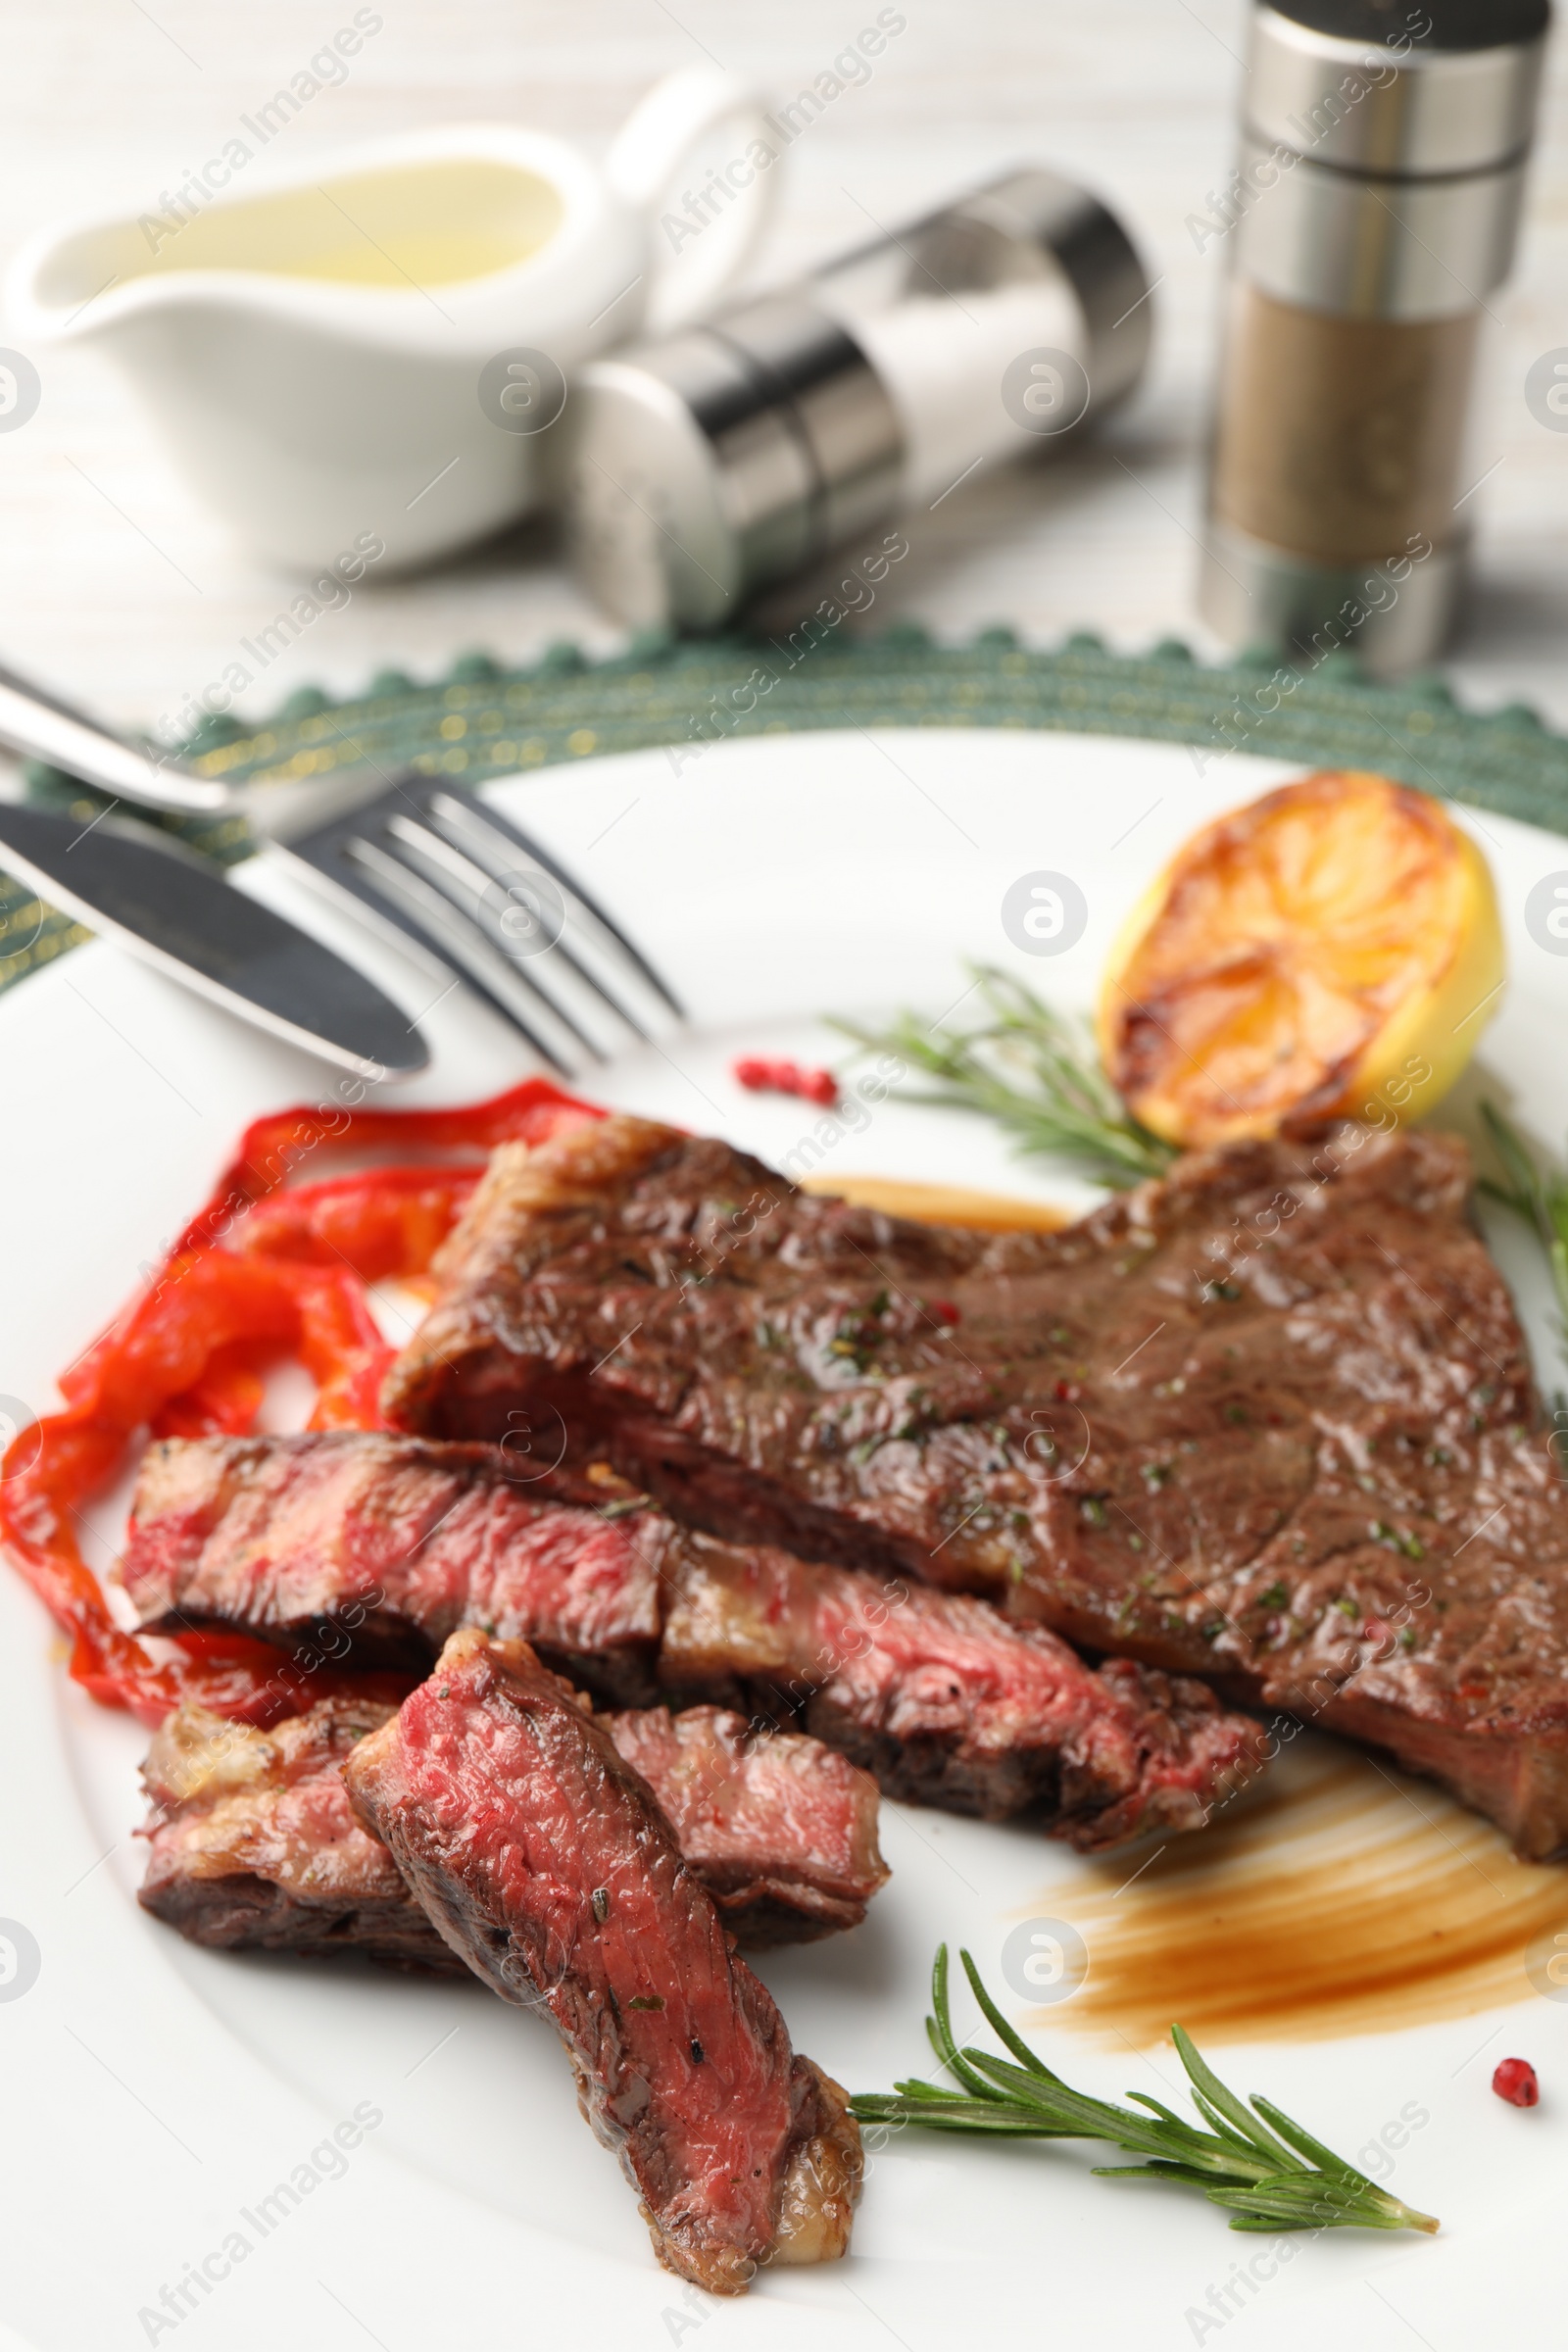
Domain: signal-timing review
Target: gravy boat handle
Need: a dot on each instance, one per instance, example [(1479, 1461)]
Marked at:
[(699, 239)]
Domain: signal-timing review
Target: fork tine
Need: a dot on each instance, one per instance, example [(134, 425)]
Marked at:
[(499, 858), (480, 815), (429, 912), (430, 895), (449, 871)]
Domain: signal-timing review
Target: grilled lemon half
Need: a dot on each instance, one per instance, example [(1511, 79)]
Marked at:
[(1332, 950)]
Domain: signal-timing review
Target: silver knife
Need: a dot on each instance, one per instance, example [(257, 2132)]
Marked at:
[(174, 910)]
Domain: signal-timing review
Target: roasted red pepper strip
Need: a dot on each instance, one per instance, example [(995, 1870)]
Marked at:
[(388, 1223), (223, 1401), (186, 1356), (270, 1148)]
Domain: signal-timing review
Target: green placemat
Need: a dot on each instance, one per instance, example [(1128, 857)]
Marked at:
[(482, 720)]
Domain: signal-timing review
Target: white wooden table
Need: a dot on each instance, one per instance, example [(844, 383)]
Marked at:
[(114, 583)]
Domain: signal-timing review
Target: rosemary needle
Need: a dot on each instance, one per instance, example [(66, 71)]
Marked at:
[(1269, 2171), (1032, 1072)]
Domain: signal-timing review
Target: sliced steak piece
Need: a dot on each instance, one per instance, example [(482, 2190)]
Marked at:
[(255, 1846), (780, 1829), (937, 1694), (253, 1843), (543, 1859), (947, 1703), (1270, 1420), (380, 1549)]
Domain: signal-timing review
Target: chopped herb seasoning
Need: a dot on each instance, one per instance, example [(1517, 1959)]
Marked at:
[(1411, 1545)]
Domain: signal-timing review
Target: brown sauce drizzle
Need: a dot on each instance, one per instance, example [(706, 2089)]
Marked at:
[(942, 1204), (1337, 1896)]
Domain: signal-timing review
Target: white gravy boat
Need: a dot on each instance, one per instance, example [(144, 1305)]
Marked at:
[(312, 348)]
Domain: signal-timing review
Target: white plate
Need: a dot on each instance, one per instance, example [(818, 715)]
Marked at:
[(154, 2093)]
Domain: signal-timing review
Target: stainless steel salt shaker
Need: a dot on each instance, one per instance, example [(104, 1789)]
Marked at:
[(1374, 210), (707, 467)]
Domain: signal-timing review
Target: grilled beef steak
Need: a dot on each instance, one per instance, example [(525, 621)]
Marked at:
[(253, 1843), (948, 1704), (780, 1829), (390, 1547), (543, 1859), (935, 1693), (1270, 1420)]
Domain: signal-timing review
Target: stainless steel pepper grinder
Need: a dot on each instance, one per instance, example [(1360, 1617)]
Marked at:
[(1374, 212)]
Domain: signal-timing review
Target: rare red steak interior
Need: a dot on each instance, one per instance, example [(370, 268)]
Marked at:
[(542, 1858), (253, 1844), (351, 1545)]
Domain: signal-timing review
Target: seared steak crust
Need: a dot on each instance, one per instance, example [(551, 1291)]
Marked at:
[(937, 1694), (1270, 1420), (543, 1859), (253, 1843)]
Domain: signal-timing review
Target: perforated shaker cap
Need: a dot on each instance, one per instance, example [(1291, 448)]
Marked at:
[(1402, 88)]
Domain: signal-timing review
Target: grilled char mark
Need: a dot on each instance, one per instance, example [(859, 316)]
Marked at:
[(1269, 1421), (253, 1843), (937, 1694), (378, 1550), (509, 1809)]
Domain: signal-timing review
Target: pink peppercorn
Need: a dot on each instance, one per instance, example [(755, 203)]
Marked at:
[(760, 1076), (1515, 2080)]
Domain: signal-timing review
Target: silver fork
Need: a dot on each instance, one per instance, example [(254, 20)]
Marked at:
[(450, 881)]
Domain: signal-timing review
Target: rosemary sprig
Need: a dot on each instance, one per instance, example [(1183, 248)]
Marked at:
[(1272, 2174), (1541, 1199), (1032, 1072)]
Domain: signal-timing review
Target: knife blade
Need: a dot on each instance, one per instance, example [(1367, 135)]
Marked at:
[(173, 910)]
